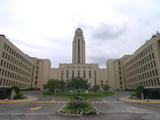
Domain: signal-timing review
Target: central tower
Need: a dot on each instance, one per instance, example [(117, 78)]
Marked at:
[(78, 48)]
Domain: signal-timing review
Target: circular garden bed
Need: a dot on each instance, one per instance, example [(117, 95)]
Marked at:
[(77, 107)]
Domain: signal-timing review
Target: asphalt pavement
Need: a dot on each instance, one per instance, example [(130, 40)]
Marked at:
[(111, 109)]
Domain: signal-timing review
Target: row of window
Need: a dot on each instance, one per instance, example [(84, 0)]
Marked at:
[(141, 69), (73, 74), (15, 61), (143, 53), (16, 54), (143, 76), (140, 62), (79, 67), (12, 75), (10, 83), (14, 68), (147, 83)]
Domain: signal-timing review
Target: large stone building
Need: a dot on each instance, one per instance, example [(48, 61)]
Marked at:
[(18, 69), (79, 67), (140, 68), (40, 72), (143, 67), (15, 66), (115, 70)]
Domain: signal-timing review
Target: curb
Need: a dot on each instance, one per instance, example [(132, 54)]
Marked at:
[(27, 100), (74, 115), (126, 99), (65, 114)]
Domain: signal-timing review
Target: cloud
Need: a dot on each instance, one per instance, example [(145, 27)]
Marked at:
[(111, 28), (107, 32)]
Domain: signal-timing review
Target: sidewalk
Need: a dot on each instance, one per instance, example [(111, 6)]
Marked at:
[(126, 99), (27, 100)]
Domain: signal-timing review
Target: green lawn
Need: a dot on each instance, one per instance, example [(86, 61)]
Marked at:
[(90, 95)]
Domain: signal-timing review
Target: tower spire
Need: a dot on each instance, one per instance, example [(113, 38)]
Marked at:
[(78, 50)]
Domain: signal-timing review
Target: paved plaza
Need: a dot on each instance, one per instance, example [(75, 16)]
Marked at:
[(111, 109)]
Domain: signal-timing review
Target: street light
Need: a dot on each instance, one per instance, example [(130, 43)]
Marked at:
[(71, 91), (86, 91)]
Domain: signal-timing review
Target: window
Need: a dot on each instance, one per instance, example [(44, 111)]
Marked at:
[(79, 51), (62, 75), (95, 75), (152, 55), (67, 74), (151, 47), (89, 74), (158, 82), (78, 73), (72, 73), (84, 74), (156, 71)]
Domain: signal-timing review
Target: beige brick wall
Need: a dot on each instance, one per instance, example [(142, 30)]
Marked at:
[(15, 66)]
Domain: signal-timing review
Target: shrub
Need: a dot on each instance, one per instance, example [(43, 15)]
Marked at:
[(139, 92), (77, 83), (17, 90), (106, 87), (96, 88), (78, 107), (53, 85), (19, 96)]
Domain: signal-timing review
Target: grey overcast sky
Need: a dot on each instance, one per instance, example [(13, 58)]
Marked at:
[(112, 28)]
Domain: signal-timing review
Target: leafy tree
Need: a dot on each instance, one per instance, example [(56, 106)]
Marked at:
[(17, 90), (106, 87), (139, 92), (96, 88), (77, 83), (55, 84)]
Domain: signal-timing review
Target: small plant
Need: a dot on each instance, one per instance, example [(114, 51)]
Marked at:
[(133, 95), (19, 96), (78, 107)]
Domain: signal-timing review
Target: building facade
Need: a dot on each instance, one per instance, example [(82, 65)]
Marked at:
[(40, 73), (143, 67), (15, 66), (113, 67), (79, 68), (116, 73)]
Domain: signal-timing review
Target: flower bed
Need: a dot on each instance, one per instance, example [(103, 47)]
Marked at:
[(78, 107)]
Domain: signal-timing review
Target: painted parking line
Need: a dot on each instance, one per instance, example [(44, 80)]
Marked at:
[(35, 108)]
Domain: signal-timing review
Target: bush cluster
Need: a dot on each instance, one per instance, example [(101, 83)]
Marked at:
[(79, 107)]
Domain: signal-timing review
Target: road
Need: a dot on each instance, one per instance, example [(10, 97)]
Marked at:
[(111, 109)]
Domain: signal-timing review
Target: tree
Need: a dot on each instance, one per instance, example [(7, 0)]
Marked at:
[(139, 92), (55, 84), (106, 87), (96, 88), (77, 83), (17, 90)]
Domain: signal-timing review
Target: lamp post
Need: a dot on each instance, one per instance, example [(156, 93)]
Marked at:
[(101, 90), (86, 91), (130, 91), (71, 92)]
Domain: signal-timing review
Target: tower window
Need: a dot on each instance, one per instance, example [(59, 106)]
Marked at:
[(78, 51)]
